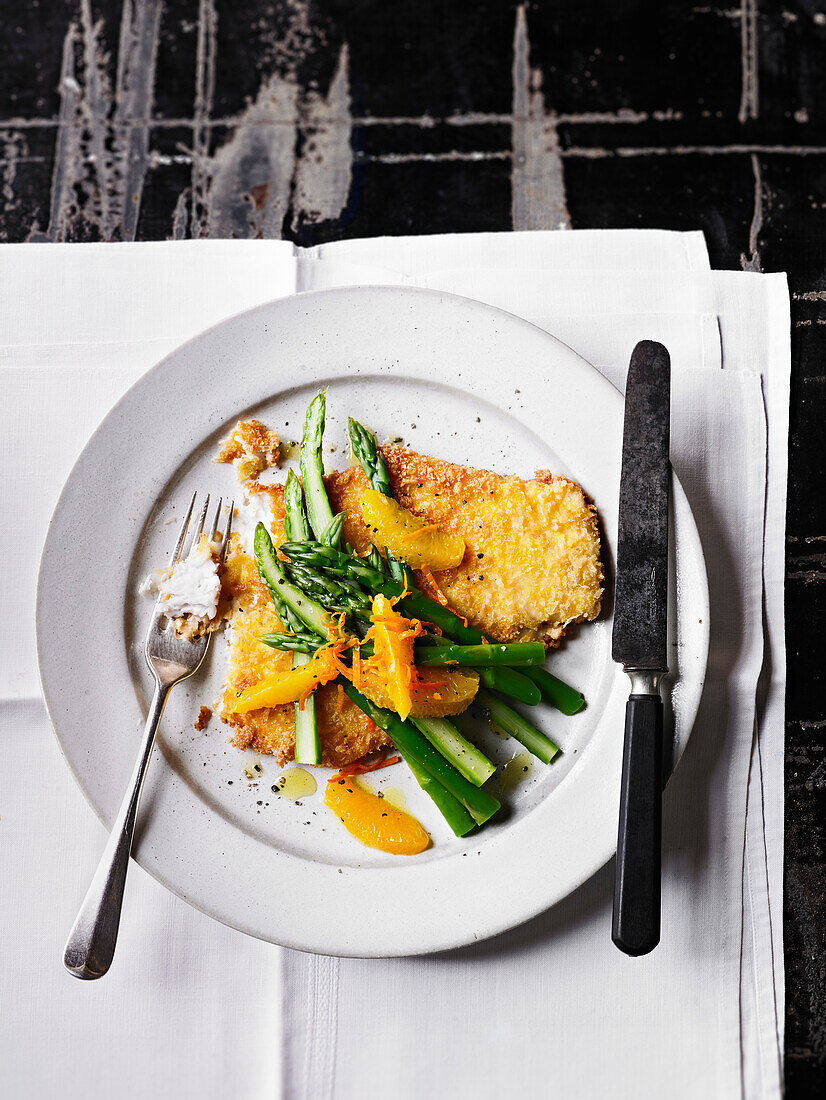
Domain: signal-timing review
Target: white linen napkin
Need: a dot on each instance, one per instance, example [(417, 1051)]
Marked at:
[(191, 1008)]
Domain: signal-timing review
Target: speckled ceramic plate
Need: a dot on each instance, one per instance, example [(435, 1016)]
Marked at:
[(452, 378)]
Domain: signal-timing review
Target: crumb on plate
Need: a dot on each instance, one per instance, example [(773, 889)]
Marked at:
[(251, 448)]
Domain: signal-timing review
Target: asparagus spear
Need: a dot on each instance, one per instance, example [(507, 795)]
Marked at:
[(482, 656), (397, 571), (432, 656), (296, 527), (327, 590), (375, 560), (506, 720), (464, 756), (331, 535), (293, 643), (295, 609), (507, 680), (369, 457), (556, 691), (307, 742), (411, 743), (510, 682), (312, 469), (450, 808)]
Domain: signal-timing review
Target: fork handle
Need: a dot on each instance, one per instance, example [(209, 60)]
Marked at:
[(91, 943)]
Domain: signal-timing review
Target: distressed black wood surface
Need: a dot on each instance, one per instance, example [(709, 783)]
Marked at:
[(321, 119)]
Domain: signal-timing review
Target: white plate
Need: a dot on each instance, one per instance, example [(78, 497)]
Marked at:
[(453, 378)]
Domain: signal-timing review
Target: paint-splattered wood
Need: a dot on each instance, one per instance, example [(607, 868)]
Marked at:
[(320, 119)]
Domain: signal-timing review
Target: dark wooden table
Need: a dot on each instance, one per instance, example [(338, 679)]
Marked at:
[(321, 119)]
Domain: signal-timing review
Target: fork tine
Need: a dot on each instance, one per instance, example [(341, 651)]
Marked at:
[(227, 531), (214, 529), (201, 521), (176, 553)]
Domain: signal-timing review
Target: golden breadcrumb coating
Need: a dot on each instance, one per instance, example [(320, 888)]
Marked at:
[(346, 733), (532, 558), (251, 448)]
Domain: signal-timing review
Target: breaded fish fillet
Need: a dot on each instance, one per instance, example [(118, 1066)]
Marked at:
[(531, 567), (532, 559), (346, 733)]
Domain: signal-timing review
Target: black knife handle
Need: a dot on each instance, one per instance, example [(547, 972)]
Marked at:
[(636, 925)]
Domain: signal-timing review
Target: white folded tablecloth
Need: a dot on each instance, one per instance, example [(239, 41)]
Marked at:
[(551, 1009)]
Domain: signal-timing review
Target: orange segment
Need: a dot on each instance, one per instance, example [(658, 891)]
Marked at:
[(436, 692), (390, 679), (420, 544), (373, 820), (392, 662), (288, 686)]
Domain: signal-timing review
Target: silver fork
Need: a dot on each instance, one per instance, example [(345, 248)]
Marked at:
[(91, 944)]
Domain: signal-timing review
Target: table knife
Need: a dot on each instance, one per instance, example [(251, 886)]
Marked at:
[(639, 643)]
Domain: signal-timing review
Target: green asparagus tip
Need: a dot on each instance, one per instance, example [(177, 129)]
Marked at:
[(296, 527), (365, 450), (332, 533), (319, 511)]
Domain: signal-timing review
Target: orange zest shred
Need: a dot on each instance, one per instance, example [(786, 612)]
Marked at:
[(434, 588), (432, 628), (340, 701), (417, 534), (439, 595), (339, 643), (335, 628), (392, 636), (362, 767), (428, 685)]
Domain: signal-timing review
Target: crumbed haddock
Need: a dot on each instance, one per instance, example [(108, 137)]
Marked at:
[(532, 559), (531, 568)]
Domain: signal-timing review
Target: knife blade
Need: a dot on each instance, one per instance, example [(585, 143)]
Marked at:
[(639, 643)]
